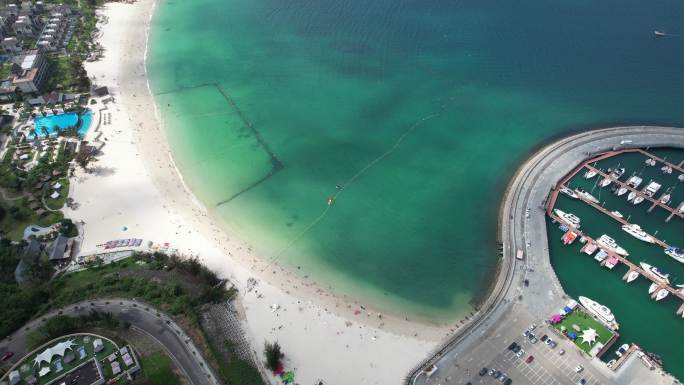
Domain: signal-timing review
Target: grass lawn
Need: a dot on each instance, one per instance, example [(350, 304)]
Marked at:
[(585, 321), (157, 368), (14, 228), (57, 204)]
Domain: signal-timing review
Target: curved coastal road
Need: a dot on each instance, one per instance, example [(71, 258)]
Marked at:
[(143, 318), (529, 188)]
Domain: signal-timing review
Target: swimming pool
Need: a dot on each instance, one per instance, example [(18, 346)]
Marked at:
[(54, 123)]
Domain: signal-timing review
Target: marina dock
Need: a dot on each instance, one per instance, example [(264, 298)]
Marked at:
[(655, 202)]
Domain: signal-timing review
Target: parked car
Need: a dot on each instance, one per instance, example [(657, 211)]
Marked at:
[(491, 372), (6, 356), (582, 382), (526, 282), (526, 333), (578, 368), (496, 374), (520, 353), (483, 371), (512, 346), (517, 348), (529, 359), (548, 341), (533, 326), (508, 381), (502, 377), (553, 344), (561, 352), (544, 338), (534, 340)]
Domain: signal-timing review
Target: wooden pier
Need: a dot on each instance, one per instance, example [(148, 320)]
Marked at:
[(639, 193), (621, 220), (632, 267)]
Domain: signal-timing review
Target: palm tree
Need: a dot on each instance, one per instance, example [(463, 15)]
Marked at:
[(273, 355)]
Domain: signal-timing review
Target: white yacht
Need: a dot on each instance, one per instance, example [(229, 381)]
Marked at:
[(652, 288), (601, 312), (632, 276), (676, 253), (650, 162), (636, 231), (680, 178), (662, 293), (631, 196), (568, 218), (568, 192), (617, 214), (659, 275), (622, 350), (633, 181), (665, 199), (651, 189), (666, 169), (613, 176), (585, 195), (610, 244), (638, 200), (589, 174)]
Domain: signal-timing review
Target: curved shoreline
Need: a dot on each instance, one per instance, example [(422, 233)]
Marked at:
[(546, 167)]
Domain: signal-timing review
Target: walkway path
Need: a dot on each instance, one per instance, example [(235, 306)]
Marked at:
[(529, 189), (144, 318)]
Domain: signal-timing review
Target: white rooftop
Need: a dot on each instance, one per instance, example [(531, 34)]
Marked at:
[(49, 353)]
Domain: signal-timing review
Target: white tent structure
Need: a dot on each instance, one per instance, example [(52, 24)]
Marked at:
[(589, 336), (49, 353)]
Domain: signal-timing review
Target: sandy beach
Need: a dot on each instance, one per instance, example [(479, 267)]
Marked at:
[(135, 191)]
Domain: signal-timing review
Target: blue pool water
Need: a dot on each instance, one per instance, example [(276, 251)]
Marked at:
[(60, 122)]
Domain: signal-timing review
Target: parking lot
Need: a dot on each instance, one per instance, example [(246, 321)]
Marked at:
[(492, 352), (547, 367)]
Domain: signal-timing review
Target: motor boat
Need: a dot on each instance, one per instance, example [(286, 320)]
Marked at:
[(662, 293), (651, 162), (601, 312), (586, 195), (636, 231), (664, 199), (676, 253), (638, 200), (589, 174), (617, 214), (613, 176), (659, 274), (622, 350), (609, 243), (652, 288), (568, 192), (632, 276), (666, 169), (568, 218), (659, 33)]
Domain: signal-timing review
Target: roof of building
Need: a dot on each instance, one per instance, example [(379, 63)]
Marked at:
[(59, 246), (49, 353)]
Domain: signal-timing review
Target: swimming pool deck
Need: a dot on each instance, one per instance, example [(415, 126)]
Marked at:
[(510, 301)]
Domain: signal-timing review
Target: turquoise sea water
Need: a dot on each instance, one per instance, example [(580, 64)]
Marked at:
[(420, 111)]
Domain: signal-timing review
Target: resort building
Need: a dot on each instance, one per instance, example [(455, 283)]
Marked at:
[(33, 71), (23, 26), (61, 248), (11, 45)]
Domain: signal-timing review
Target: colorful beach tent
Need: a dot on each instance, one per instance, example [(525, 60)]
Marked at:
[(572, 335), (556, 318)]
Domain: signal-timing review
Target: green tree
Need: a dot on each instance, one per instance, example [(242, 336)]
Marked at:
[(273, 355)]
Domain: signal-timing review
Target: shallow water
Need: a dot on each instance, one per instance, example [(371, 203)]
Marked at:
[(419, 110)]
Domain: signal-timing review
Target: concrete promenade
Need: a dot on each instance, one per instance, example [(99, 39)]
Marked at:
[(144, 318), (510, 302)]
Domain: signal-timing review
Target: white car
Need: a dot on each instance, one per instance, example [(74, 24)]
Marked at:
[(520, 353), (578, 368)]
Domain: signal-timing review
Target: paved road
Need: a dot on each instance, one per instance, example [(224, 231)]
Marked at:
[(144, 318), (529, 188)]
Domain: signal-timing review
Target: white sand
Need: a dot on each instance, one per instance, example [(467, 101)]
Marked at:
[(137, 186)]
